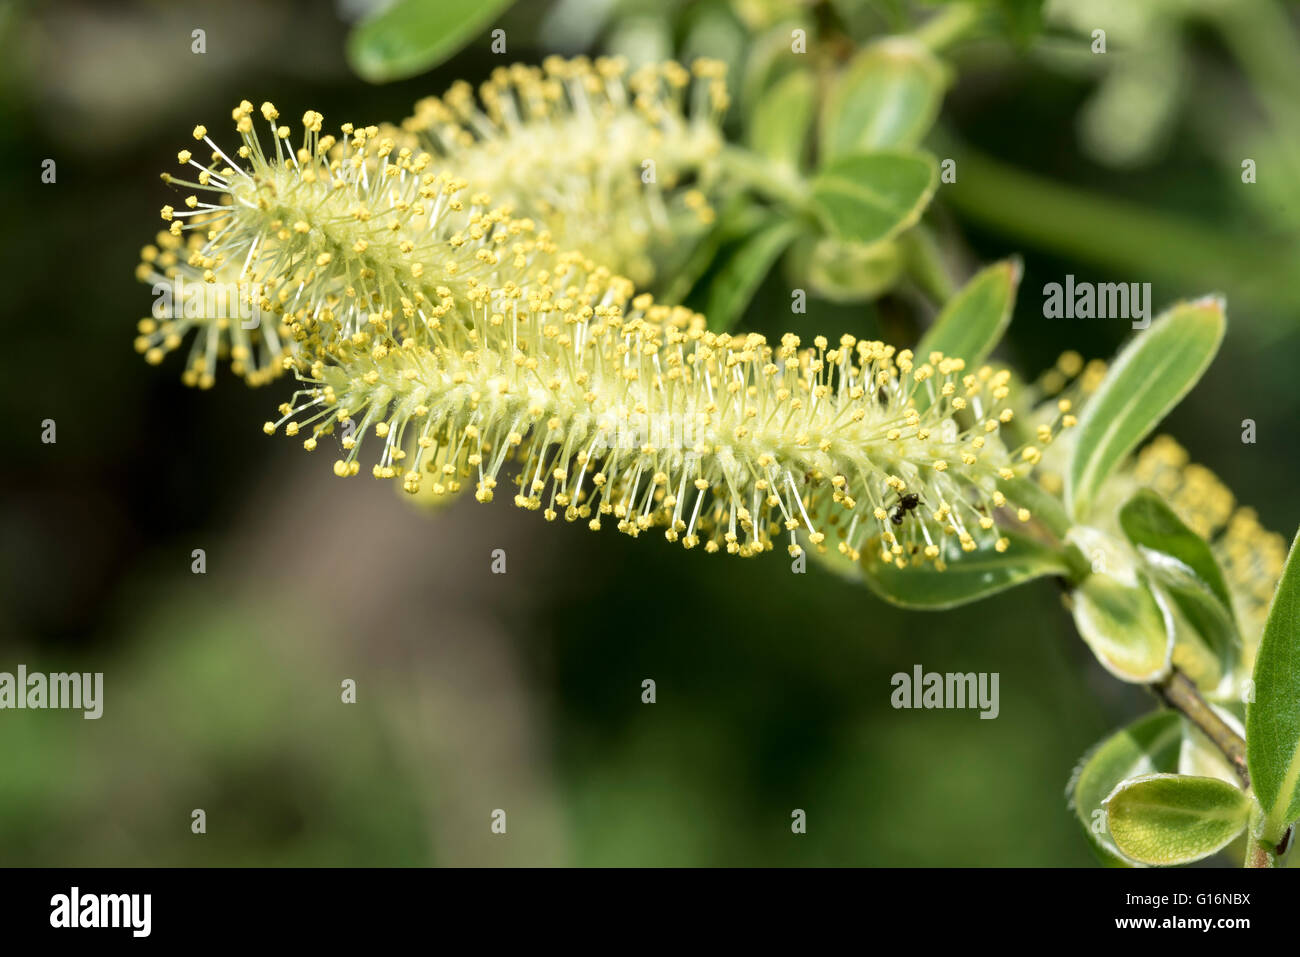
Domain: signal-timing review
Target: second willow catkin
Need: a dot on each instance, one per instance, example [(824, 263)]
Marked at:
[(617, 165)]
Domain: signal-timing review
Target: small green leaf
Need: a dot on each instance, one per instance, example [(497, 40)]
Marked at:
[(973, 321), (779, 127), (1151, 524), (1206, 645), (969, 577), (1124, 627), (743, 269), (768, 58), (869, 197), (888, 96), (713, 30), (640, 39), (1153, 372), (412, 36), (1273, 719), (1150, 744), (1180, 562), (1167, 819)]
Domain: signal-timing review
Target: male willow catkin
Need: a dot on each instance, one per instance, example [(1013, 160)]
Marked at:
[(566, 145), (462, 338)]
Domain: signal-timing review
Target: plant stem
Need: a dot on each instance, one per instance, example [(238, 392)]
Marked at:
[(768, 179), (1179, 692), (926, 265), (1117, 233), (1259, 853)]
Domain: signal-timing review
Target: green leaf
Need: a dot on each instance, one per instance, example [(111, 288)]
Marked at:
[(412, 36), (970, 577), (640, 39), (888, 96), (743, 269), (768, 58), (1150, 744), (1273, 719), (1167, 819), (713, 30), (1124, 627), (1151, 524), (1180, 562), (973, 321), (779, 127), (869, 197), (1206, 644), (1153, 372)]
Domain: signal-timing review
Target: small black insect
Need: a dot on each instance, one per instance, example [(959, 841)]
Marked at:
[(905, 504)]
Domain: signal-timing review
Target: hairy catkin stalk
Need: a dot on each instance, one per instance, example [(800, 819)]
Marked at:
[(1179, 692)]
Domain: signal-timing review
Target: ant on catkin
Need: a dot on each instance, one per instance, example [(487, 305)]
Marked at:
[(905, 504)]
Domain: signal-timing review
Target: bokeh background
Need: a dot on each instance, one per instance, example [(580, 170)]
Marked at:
[(523, 691)]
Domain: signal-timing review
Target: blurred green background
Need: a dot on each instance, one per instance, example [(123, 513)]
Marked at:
[(523, 691)]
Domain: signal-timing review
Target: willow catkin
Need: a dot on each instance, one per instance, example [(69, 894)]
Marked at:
[(591, 158), (458, 339), (647, 417)]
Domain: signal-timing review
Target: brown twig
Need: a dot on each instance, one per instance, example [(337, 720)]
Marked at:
[(1179, 692)]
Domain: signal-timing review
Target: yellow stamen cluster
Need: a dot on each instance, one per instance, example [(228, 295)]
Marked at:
[(1191, 490), (1071, 377), (217, 304)]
